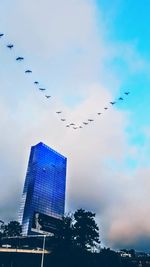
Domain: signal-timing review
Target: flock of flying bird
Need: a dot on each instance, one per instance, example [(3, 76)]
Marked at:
[(68, 125)]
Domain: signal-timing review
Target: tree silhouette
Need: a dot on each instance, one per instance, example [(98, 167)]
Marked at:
[(13, 228), (64, 234), (1, 228), (86, 231)]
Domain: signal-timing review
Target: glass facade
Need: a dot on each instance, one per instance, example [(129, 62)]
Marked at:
[(44, 188)]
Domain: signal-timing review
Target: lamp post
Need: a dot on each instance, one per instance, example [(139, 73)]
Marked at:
[(43, 252)]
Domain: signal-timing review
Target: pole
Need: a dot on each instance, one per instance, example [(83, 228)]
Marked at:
[(42, 260)]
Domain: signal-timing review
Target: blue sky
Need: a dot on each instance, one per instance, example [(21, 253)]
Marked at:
[(86, 53), (128, 22)]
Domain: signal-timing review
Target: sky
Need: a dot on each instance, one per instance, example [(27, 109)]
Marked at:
[(86, 53)]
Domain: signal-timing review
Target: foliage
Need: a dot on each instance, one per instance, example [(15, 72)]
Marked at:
[(77, 233), (1, 228), (13, 228), (86, 231), (64, 236)]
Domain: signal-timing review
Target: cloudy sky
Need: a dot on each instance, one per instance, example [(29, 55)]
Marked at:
[(86, 53)]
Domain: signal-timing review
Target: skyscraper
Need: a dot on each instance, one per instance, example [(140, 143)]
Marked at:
[(43, 198)]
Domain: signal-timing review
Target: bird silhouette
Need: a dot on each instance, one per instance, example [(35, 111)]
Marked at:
[(127, 93), (10, 46), (75, 126), (42, 89), (28, 71), (19, 58)]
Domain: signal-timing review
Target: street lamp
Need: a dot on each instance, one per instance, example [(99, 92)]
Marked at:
[(43, 249), (43, 252)]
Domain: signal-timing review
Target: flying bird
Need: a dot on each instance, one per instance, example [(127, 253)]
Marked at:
[(120, 98), (19, 58), (42, 89), (112, 103), (48, 96), (1, 34), (80, 127), (63, 119), (36, 82), (72, 124), (67, 126), (28, 71), (10, 46), (99, 113), (58, 112), (85, 123), (127, 93), (105, 108), (90, 120), (75, 128)]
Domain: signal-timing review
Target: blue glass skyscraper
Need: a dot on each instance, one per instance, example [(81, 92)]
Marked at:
[(43, 198)]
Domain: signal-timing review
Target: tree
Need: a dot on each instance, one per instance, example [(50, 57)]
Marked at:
[(13, 228), (86, 231), (63, 244), (1, 228), (64, 235)]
